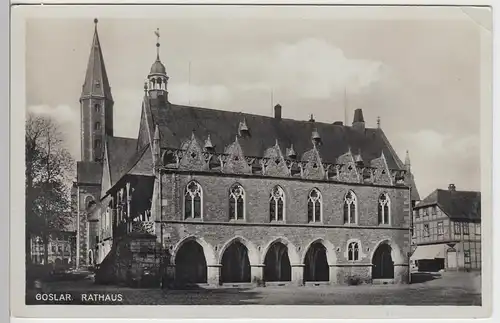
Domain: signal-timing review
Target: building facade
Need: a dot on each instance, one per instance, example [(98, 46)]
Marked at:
[(215, 197), (447, 231), (61, 250)]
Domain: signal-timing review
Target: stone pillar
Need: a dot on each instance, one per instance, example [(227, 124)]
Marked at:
[(333, 278), (298, 274), (257, 274), (401, 274), (168, 276), (213, 275)]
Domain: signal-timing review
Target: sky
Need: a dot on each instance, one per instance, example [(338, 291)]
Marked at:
[(418, 72)]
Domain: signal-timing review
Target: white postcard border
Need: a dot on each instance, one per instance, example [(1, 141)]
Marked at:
[(18, 309)]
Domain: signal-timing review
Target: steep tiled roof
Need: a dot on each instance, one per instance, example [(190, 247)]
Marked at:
[(177, 123), (120, 150), (456, 204), (88, 173)]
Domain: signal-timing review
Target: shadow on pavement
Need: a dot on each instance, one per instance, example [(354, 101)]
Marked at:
[(421, 277)]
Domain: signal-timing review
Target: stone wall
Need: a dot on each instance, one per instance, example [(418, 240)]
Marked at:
[(215, 231)]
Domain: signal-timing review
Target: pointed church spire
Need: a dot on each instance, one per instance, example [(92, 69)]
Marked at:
[(407, 161), (96, 82)]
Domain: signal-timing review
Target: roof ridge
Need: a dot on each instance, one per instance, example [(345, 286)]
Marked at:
[(264, 116)]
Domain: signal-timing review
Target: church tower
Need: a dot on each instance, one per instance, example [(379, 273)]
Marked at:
[(96, 105), (158, 79)]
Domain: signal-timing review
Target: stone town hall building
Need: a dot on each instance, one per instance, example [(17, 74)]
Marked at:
[(210, 196)]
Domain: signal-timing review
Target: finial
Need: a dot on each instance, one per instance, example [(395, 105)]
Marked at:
[(96, 21), (378, 122), (276, 142), (311, 118), (208, 143), (407, 158), (157, 33), (145, 86)]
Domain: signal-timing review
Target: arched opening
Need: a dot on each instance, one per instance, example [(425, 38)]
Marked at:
[(277, 264), (235, 264), (383, 266), (190, 264), (316, 265)]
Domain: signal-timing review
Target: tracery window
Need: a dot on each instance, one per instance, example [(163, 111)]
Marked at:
[(350, 208), (353, 251), (314, 206), (384, 204), (193, 197), (277, 204), (236, 202)]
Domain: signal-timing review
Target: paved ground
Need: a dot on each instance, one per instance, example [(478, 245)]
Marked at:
[(448, 289)]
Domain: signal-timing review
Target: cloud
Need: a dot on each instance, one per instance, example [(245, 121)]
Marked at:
[(313, 68), (439, 159), (68, 120)]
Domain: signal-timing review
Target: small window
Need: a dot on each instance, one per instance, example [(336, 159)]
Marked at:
[(478, 229), (97, 143), (353, 251), (97, 107), (192, 201), (426, 230), (467, 257), (314, 209), (350, 208), (53, 248), (434, 210), (277, 204), (440, 228), (466, 229), (457, 228), (236, 203), (97, 126), (59, 249), (384, 209)]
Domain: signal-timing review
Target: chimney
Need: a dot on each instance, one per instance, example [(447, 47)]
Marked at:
[(358, 122), (277, 111), (452, 187), (338, 123)]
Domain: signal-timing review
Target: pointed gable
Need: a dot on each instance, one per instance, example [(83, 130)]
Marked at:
[(106, 175), (274, 163), (192, 155), (312, 165), (348, 172), (96, 79), (381, 171), (235, 161)]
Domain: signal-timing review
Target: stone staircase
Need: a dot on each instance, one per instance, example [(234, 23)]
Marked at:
[(133, 259)]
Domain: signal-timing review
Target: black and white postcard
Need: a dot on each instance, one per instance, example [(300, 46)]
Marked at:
[(238, 157)]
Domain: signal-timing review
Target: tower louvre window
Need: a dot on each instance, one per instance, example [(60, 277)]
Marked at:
[(97, 126), (97, 107)]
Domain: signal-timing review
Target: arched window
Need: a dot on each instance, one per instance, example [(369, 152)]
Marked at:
[(350, 208), (97, 126), (353, 251), (384, 212), (236, 202), (277, 204), (89, 202), (192, 201), (97, 143), (97, 107), (314, 206)]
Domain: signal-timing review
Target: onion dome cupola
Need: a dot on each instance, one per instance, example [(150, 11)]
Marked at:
[(157, 78)]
